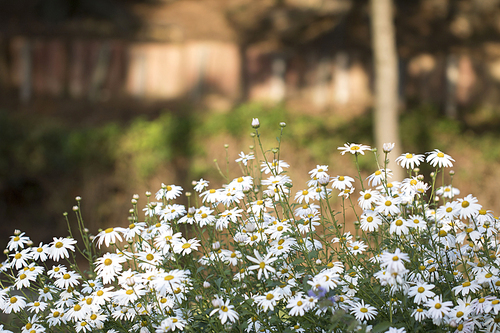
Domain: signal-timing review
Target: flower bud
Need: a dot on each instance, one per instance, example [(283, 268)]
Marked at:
[(136, 196), (131, 211), (30, 243), (251, 147), (75, 208), (452, 172), (217, 303), (187, 194), (282, 124), (78, 198), (198, 298), (133, 201), (191, 210), (255, 123), (206, 284), (416, 170), (5, 251), (318, 262), (388, 147), (216, 245), (148, 194), (17, 232)]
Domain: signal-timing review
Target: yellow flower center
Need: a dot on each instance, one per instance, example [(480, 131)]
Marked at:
[(66, 276), (224, 308), (378, 173), (367, 196), (399, 223), (409, 155), (108, 262), (341, 178), (441, 155), (459, 314), (39, 250), (93, 316), (369, 219), (262, 265), (465, 204), (466, 284), (77, 307), (437, 306), (186, 246), (388, 203), (269, 297), (129, 292), (150, 257), (168, 277), (364, 310), (421, 289)]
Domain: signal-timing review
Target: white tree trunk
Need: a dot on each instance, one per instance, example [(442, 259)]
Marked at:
[(386, 124)]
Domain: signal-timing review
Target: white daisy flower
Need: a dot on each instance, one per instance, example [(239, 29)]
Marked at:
[(421, 291), (440, 159), (370, 221), (263, 264), (409, 161), (363, 311), (226, 312), (447, 191), (468, 206), (168, 192), (379, 176), (354, 148), (108, 236), (275, 167), (243, 158)]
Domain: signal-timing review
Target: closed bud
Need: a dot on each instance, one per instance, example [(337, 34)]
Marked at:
[(388, 147), (318, 262), (216, 245), (133, 201), (136, 196), (226, 146), (282, 124), (78, 198), (188, 194), (17, 232), (255, 123), (75, 208), (30, 243), (206, 284), (148, 194)]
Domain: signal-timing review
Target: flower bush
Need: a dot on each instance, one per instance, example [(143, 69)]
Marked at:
[(259, 256)]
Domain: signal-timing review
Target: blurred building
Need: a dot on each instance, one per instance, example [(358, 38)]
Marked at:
[(312, 54)]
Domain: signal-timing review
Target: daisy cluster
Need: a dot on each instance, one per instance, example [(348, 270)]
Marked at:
[(257, 256)]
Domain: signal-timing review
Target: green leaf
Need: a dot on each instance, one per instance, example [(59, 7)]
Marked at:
[(381, 327)]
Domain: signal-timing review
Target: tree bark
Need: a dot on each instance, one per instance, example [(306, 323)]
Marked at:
[(386, 123)]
